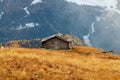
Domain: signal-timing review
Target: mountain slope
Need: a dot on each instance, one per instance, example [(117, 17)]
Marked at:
[(89, 20), (44, 17)]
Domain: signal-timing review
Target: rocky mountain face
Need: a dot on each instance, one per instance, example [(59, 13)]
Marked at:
[(45, 18), (29, 19)]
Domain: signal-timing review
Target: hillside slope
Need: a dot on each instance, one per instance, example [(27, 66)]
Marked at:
[(80, 63)]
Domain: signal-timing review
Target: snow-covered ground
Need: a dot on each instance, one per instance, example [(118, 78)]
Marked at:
[(26, 10), (36, 1), (102, 3), (109, 5), (86, 37), (27, 25), (1, 0), (1, 14)]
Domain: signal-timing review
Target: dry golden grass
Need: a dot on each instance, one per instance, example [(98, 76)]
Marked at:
[(42, 64)]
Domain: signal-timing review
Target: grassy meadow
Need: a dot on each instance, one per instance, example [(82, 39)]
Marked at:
[(79, 63)]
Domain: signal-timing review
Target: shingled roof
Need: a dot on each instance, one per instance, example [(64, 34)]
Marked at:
[(58, 36)]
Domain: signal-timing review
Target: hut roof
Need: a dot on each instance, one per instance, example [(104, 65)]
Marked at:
[(57, 36)]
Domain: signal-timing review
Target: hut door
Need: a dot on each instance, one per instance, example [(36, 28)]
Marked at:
[(56, 45)]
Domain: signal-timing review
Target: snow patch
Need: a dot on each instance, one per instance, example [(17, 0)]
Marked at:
[(102, 3), (26, 10), (36, 1), (27, 25), (20, 27), (1, 0), (98, 18), (92, 27), (36, 24), (111, 5), (1, 14), (86, 37)]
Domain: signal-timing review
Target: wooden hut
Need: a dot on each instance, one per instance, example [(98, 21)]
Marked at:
[(56, 42)]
